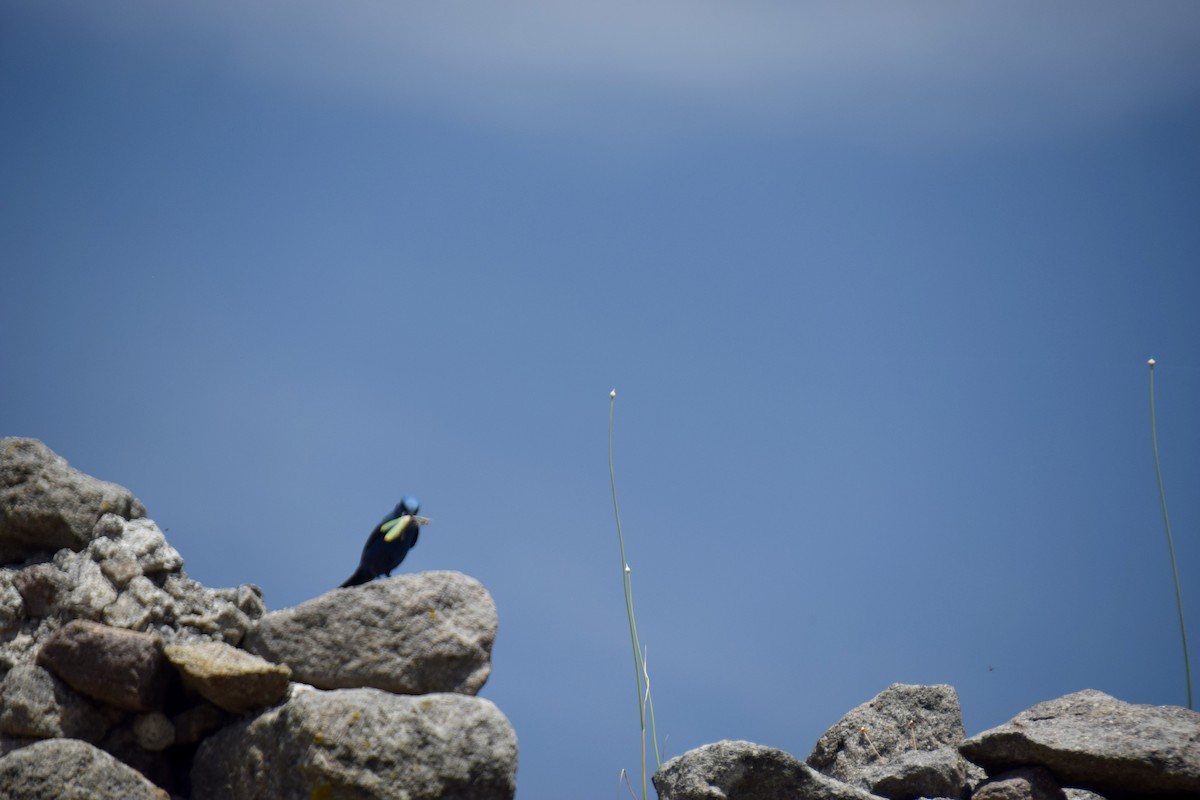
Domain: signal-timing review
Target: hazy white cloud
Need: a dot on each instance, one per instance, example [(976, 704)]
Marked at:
[(917, 71)]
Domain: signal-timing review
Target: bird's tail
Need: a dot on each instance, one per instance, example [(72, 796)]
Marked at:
[(361, 575)]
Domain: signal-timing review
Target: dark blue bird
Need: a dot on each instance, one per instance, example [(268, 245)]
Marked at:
[(389, 543)]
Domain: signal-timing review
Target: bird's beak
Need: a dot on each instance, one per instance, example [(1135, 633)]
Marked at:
[(394, 527)]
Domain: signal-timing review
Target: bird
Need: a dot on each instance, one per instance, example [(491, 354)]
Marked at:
[(389, 543)]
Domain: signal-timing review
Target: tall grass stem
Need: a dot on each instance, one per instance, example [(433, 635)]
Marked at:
[(644, 700), (1162, 495)]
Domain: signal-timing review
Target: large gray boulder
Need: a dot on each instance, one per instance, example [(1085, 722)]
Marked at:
[(899, 744), (1093, 741), (46, 505), (68, 769), (411, 634), (362, 744), (747, 771)]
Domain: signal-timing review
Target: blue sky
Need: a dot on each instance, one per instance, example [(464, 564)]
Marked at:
[(876, 286)]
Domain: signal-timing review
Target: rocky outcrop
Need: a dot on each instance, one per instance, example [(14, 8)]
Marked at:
[(906, 742), (446, 620), (1093, 741), (903, 742), (47, 505), (122, 677)]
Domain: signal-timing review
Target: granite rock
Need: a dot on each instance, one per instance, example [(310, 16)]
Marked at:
[(1090, 740), (227, 677), (412, 634), (36, 704), (1025, 783), (879, 744), (919, 773), (747, 771), (46, 505), (363, 744), (68, 769), (123, 669)]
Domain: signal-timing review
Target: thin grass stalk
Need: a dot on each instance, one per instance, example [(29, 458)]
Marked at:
[(1187, 667), (639, 666)]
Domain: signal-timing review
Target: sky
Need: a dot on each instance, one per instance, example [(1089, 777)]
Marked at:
[(876, 286)]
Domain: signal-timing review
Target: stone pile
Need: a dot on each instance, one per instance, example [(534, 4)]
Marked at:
[(120, 677), (908, 743)]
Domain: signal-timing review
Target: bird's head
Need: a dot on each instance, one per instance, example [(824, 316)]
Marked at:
[(407, 505), (403, 515)]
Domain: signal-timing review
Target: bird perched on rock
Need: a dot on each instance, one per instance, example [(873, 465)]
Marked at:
[(389, 543)]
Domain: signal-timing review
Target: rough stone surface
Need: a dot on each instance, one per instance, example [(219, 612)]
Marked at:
[(1026, 783), (362, 743), (46, 505), (68, 769), (919, 773), (1093, 741), (36, 704), (121, 668), (746, 771), (12, 604), (862, 746), (193, 724), (411, 634), (129, 577), (41, 587), (229, 678), (153, 731)]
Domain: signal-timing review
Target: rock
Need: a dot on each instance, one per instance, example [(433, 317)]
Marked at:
[(746, 771), (363, 744), (411, 634), (153, 731), (865, 748), (1026, 783), (36, 704), (106, 640), (41, 587), (46, 505), (124, 744), (131, 578), (919, 773), (124, 669), (1091, 740), (229, 678), (193, 724), (90, 591), (200, 612), (68, 769), (12, 604), (133, 547)]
